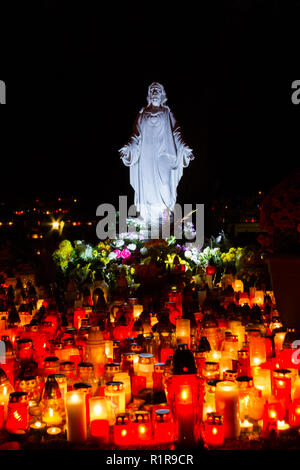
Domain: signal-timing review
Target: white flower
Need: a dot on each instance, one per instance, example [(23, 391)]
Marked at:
[(112, 255), (87, 253), (131, 246), (195, 259), (144, 250), (188, 254), (119, 243)]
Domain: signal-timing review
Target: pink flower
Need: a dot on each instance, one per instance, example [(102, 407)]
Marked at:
[(118, 253), (125, 253)]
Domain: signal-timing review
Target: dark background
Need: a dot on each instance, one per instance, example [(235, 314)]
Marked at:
[(77, 76)]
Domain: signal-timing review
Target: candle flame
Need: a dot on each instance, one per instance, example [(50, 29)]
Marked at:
[(184, 394), (142, 430), (214, 430), (97, 410), (124, 432)]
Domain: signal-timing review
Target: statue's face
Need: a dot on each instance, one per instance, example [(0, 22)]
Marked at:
[(155, 94)]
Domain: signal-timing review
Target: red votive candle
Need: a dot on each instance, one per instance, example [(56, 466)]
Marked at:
[(100, 428), (138, 383)]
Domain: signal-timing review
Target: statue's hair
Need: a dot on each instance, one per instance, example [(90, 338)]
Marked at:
[(163, 95)]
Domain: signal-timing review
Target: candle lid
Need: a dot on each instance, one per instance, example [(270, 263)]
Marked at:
[(51, 359), (81, 386), (122, 418), (215, 418), (140, 416), (18, 397), (162, 415), (115, 386), (281, 372), (244, 381)]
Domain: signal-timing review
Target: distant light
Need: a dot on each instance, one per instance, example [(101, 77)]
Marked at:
[(55, 225), (75, 200), (10, 223)]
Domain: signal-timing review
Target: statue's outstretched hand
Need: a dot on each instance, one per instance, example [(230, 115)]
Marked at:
[(189, 153), (124, 152)]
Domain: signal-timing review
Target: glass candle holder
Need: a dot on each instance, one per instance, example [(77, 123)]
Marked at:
[(227, 404), (86, 374), (141, 426), (230, 375), (294, 413), (52, 404), (257, 346), (24, 350), (211, 371), (243, 365), (76, 417), (17, 413), (122, 431), (282, 385), (28, 384), (115, 392), (110, 369), (51, 366), (138, 383), (86, 389), (164, 428), (158, 376), (124, 377), (5, 390), (99, 418), (213, 434), (246, 394), (183, 330), (146, 367)]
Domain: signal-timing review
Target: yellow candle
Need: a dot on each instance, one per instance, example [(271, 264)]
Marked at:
[(76, 416)]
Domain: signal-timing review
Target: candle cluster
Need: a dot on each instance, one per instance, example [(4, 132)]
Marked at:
[(126, 375)]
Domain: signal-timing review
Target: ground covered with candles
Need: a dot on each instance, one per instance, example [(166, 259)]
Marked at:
[(147, 345)]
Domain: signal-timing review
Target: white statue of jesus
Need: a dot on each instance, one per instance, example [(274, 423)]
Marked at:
[(156, 156)]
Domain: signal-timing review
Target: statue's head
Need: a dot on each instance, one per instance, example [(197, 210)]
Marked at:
[(156, 94)]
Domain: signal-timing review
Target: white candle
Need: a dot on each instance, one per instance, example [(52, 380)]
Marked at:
[(76, 417), (227, 404)]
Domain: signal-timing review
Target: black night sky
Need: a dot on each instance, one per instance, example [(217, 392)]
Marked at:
[(79, 75)]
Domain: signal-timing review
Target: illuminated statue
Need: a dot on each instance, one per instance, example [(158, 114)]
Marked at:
[(156, 156)]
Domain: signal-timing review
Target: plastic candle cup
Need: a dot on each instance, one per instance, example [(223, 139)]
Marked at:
[(164, 430), (76, 417), (17, 413), (141, 426), (213, 434), (227, 404), (123, 431)]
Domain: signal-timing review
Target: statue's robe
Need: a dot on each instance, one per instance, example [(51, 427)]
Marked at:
[(156, 157)]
